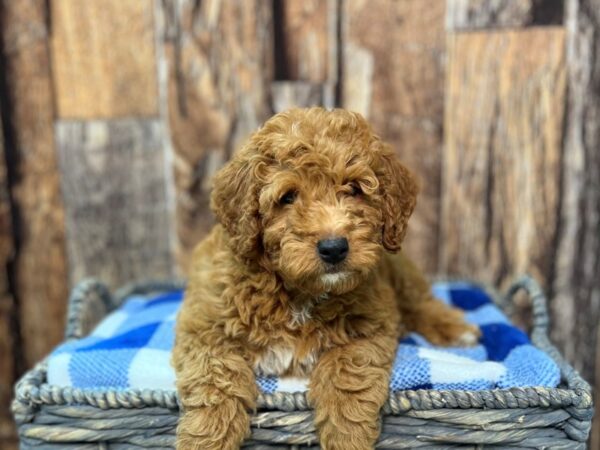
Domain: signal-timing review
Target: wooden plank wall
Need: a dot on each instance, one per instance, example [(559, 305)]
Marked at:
[(37, 271), (116, 114), (502, 171), (220, 58), (8, 348), (394, 74), (576, 286), (109, 139)]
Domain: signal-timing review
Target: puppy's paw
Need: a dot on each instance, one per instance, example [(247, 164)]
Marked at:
[(351, 420), (332, 439), (458, 334), (217, 427), (469, 337)]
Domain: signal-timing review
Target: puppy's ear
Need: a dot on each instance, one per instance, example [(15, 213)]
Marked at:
[(399, 190), (234, 201)]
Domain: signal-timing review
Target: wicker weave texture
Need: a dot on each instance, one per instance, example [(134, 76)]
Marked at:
[(50, 417)]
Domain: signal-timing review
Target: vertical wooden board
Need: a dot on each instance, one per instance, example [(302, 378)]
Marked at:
[(113, 180), (308, 39), (306, 53), (295, 94), (8, 338), (463, 15), (595, 382), (393, 73), (103, 56), (220, 59), (503, 133), (40, 269), (577, 284)]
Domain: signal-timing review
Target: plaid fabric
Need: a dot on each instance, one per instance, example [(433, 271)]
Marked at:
[(131, 348)]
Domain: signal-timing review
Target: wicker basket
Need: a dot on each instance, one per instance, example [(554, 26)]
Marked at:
[(51, 417)]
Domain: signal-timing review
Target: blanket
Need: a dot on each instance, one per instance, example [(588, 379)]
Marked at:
[(131, 347)]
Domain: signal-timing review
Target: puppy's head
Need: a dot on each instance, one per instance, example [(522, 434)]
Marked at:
[(315, 196)]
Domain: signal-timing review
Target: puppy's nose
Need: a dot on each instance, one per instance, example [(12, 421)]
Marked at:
[(333, 250)]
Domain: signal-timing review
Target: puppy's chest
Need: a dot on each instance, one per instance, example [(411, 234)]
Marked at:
[(285, 359), (295, 351)]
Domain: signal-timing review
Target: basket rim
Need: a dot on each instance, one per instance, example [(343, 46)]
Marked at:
[(32, 389), (33, 392)]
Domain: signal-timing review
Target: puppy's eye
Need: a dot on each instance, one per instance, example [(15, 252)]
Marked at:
[(288, 198), (355, 189)]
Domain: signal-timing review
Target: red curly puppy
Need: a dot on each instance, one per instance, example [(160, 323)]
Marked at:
[(296, 281)]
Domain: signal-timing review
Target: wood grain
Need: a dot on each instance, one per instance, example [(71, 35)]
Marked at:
[(393, 72), (117, 215), (306, 46), (104, 58), (8, 333), (309, 39), (40, 267), (503, 147), (463, 15), (220, 63), (576, 286), (292, 94)]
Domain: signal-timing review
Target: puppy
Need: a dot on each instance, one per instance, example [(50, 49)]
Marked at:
[(298, 279)]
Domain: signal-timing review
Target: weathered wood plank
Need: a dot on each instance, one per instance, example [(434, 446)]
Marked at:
[(103, 56), (113, 182), (595, 433), (462, 15), (306, 46), (503, 135), (40, 268), (576, 284), (8, 333), (291, 94), (393, 73), (220, 59), (307, 39)]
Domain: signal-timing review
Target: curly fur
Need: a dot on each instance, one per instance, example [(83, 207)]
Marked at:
[(261, 300)]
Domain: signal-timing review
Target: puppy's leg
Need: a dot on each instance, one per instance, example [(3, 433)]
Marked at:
[(216, 388), (439, 323), (348, 388)]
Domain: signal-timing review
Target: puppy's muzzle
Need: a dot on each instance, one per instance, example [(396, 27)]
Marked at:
[(333, 250)]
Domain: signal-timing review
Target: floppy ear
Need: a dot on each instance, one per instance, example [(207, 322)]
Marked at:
[(234, 201), (399, 190)]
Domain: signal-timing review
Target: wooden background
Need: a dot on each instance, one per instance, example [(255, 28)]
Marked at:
[(115, 114)]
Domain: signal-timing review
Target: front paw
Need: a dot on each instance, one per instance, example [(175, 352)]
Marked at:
[(469, 337), (350, 420), (363, 437), (454, 334), (217, 427)]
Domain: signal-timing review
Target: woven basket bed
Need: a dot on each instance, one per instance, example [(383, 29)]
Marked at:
[(51, 417)]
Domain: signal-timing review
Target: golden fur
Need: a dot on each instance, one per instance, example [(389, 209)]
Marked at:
[(261, 300)]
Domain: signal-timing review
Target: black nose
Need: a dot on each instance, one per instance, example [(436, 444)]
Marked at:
[(333, 250)]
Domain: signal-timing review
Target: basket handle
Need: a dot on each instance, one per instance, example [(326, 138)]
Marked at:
[(539, 305), (89, 302), (539, 333)]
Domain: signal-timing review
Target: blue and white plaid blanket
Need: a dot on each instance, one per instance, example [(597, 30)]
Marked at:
[(131, 348)]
